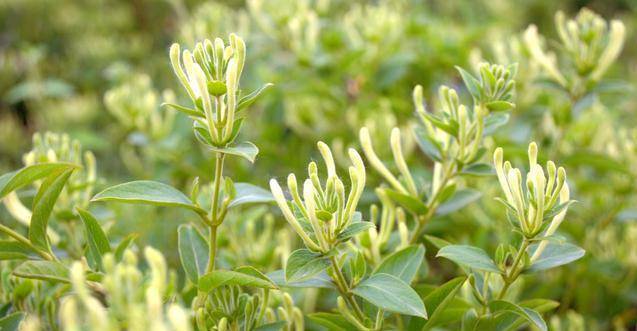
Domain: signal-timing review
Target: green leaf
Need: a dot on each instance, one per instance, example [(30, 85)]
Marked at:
[(43, 270), (248, 193), (440, 298), (13, 250), (147, 192), (472, 84), (218, 278), (556, 254), (303, 264), (249, 99), (12, 322), (43, 204), (332, 322), (185, 110), (390, 293), (123, 245), (479, 169), (493, 122), (193, 252), (499, 105), (17, 179), (459, 200), (353, 229), (275, 326), (403, 264), (427, 144), (437, 242), (320, 280), (469, 256), (246, 150), (512, 322), (408, 202), (252, 271), (98, 244), (528, 314)]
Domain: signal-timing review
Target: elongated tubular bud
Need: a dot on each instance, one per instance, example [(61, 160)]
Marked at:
[(339, 189), (397, 151), (327, 157), (514, 179), (176, 64), (532, 154), (289, 216), (200, 79), (310, 204), (612, 50), (368, 149), (294, 191), (502, 174), (178, 318), (533, 44), (539, 182), (555, 223)]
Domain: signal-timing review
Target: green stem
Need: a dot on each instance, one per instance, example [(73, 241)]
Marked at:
[(212, 245), (432, 206), (514, 272), (344, 290), (26, 242)]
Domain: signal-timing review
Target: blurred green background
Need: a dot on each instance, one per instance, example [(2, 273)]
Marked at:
[(98, 70)]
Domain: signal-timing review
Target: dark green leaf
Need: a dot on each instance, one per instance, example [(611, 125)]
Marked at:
[(98, 243), (13, 250), (354, 228), (555, 254), (332, 322), (469, 256), (246, 150), (479, 169), (43, 270), (390, 293), (193, 252), (147, 192), (427, 144), (321, 280), (408, 202), (404, 263), (12, 322), (494, 122), (218, 278), (472, 84), (530, 315), (17, 179), (248, 193), (303, 264), (249, 99), (459, 200), (43, 204), (182, 109)]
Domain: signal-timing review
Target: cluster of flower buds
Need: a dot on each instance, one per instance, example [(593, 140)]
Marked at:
[(135, 300), (323, 212), (590, 44), (52, 147), (211, 74), (543, 205), (135, 105)]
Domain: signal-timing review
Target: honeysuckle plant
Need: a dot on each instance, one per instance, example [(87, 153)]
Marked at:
[(329, 251), (536, 205), (452, 139)]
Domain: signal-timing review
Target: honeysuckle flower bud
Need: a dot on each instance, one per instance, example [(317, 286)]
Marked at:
[(323, 206), (530, 207), (533, 44), (374, 160)]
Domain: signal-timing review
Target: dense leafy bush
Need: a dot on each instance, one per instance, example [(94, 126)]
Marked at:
[(434, 207)]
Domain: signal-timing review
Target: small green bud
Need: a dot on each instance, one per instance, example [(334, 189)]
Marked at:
[(217, 88)]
